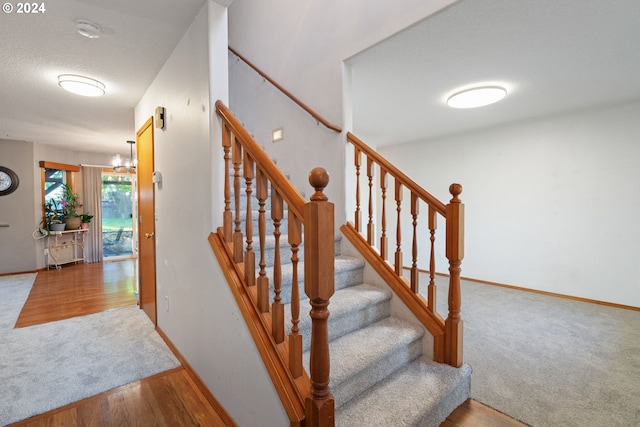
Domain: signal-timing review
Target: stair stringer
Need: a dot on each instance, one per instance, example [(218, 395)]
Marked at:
[(431, 342)]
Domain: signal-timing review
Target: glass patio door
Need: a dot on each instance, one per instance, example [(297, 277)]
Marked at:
[(118, 213)]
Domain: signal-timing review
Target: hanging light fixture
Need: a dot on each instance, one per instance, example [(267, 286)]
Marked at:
[(129, 165)]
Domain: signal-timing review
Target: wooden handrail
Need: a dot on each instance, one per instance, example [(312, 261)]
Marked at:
[(293, 197), (447, 333), (306, 398), (302, 105), (397, 173)]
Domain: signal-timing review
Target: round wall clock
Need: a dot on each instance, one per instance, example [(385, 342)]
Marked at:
[(8, 181)]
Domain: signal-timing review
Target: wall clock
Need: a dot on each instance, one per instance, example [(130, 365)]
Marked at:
[(8, 181)]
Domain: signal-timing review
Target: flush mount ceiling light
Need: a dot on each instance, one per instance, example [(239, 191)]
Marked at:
[(81, 85), (476, 97), (88, 29)]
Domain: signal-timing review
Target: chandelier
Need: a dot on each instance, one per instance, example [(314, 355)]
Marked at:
[(129, 165)]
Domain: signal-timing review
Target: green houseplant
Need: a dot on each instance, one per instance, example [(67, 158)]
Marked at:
[(53, 216), (86, 219), (70, 203)]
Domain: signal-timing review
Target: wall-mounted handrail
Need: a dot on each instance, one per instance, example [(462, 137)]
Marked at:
[(302, 105)]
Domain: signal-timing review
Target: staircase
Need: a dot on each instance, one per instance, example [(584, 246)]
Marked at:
[(379, 374), (381, 370)]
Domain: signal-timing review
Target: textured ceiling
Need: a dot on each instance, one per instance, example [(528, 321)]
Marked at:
[(553, 56), (137, 38)]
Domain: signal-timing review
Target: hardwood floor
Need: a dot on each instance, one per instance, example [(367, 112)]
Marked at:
[(474, 414), (167, 399), (78, 290)]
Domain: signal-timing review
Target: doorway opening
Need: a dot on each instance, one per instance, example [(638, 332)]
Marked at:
[(119, 201)]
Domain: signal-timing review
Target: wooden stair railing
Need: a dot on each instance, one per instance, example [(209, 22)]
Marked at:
[(306, 400), (447, 333), (301, 104)]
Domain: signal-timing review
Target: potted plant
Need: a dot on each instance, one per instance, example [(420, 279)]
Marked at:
[(70, 203), (53, 216), (86, 219)]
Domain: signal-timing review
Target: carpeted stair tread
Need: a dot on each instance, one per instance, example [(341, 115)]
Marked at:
[(348, 272), (364, 357), (423, 393), (351, 308)]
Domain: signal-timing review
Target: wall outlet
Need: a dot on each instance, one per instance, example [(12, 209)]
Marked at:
[(166, 303)]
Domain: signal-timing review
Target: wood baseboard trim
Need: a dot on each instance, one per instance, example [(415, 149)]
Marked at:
[(198, 381), (537, 291)]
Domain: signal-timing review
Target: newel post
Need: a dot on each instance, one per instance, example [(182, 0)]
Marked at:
[(319, 287), (455, 254)]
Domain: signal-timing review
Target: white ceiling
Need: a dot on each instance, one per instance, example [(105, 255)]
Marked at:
[(553, 56), (137, 38)]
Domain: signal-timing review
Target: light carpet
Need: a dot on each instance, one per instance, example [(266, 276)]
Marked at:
[(46, 366), (550, 361)]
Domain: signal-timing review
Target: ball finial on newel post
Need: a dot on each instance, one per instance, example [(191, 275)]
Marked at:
[(319, 178), (455, 190)]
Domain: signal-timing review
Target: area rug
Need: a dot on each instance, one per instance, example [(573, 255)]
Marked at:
[(46, 366)]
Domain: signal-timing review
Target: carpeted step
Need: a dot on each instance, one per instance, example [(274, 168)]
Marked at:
[(270, 227), (351, 308), (348, 272), (285, 250), (364, 357), (423, 393)]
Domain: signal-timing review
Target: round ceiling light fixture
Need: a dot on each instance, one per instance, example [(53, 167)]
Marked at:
[(88, 29), (81, 85), (477, 97)]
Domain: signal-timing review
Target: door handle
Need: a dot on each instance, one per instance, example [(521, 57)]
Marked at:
[(149, 235)]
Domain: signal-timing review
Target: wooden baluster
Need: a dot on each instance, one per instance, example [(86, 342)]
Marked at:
[(277, 308), (415, 287), (263, 280), (319, 287), (249, 256), (384, 241), (295, 339), (236, 155), (227, 216), (371, 229), (398, 260), (455, 254), (358, 162), (431, 294)]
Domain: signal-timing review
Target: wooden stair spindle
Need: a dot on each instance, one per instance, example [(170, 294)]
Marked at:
[(384, 240), (415, 287), (398, 255), (236, 156), (319, 287), (249, 255), (357, 162), (277, 307), (263, 280), (431, 292), (227, 216), (455, 254), (295, 339), (370, 225)]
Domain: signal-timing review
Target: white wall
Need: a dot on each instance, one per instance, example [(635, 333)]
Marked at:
[(551, 204), (203, 320), (302, 46)]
